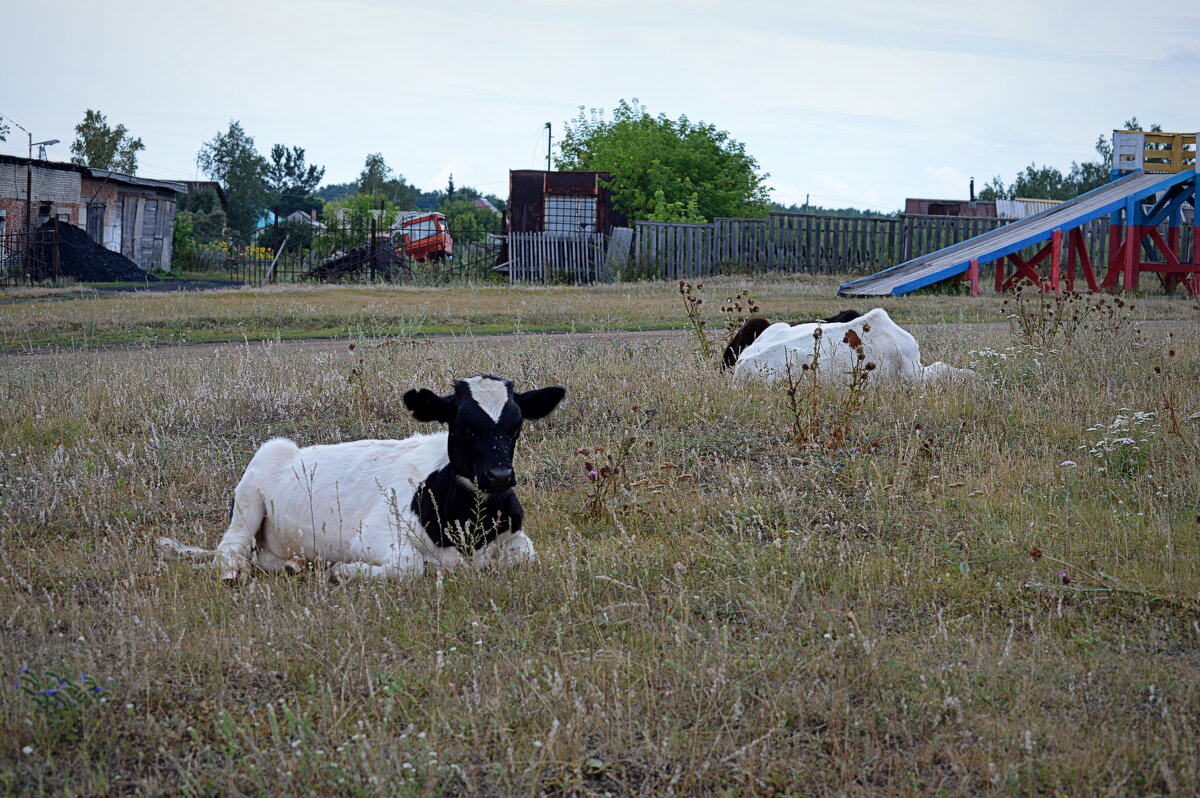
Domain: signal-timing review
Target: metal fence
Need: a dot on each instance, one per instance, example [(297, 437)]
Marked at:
[(301, 252), (29, 257), (780, 243)]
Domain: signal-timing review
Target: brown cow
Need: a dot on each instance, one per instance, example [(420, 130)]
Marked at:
[(752, 328)]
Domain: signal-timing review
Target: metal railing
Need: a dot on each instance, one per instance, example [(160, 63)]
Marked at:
[(28, 258), (340, 254)]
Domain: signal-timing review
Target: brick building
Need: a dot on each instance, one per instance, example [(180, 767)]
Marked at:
[(131, 215)]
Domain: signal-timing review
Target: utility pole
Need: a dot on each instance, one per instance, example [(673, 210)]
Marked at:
[(549, 138), (29, 177), (29, 187)]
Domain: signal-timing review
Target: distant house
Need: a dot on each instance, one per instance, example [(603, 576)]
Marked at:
[(560, 203), (1020, 208), (947, 207), (482, 203), (303, 217), (1002, 209), (131, 215)]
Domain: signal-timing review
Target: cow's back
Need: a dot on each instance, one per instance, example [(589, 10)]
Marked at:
[(893, 351), (318, 498)]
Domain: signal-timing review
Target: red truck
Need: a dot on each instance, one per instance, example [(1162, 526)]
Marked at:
[(422, 235)]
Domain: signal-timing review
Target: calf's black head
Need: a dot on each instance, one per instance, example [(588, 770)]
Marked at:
[(484, 415)]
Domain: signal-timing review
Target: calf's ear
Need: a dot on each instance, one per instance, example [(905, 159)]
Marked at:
[(539, 403), (428, 406)]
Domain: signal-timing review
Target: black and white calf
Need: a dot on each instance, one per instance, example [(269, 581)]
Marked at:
[(384, 508)]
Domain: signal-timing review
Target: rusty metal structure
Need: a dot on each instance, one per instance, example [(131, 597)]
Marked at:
[(560, 203)]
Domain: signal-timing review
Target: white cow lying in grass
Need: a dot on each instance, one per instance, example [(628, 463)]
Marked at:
[(383, 508), (892, 350)]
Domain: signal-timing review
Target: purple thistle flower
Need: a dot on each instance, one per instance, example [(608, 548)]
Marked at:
[(593, 474)]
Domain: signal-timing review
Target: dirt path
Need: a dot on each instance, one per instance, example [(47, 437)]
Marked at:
[(316, 345)]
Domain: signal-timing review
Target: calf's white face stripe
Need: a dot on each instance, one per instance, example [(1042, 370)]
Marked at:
[(491, 395)]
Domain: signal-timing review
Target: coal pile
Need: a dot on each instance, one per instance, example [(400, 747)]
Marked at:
[(358, 261), (82, 258)]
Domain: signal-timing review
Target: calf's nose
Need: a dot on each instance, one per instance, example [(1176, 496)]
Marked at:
[(500, 477)]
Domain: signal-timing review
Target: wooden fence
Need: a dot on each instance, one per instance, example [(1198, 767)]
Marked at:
[(782, 243), (794, 242), (545, 258)]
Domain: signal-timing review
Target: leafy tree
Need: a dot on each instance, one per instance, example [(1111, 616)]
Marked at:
[(3, 131), (202, 200), (232, 159), (1046, 182), (823, 211), (183, 239), (357, 210), (103, 147), (468, 222), (670, 170), (336, 191), (351, 218), (293, 181), (377, 180), (202, 210), (210, 226), (375, 175)]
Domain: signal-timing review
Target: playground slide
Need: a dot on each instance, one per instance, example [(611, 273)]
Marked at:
[(1013, 237)]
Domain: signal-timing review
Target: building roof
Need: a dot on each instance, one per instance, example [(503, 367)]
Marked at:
[(60, 166), (99, 174), (117, 177), (483, 203)]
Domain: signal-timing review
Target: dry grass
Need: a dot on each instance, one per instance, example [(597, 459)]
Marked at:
[(745, 617), (306, 311)]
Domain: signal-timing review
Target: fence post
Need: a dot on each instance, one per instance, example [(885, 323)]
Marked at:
[(371, 248)]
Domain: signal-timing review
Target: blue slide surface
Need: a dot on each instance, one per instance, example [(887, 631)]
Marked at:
[(995, 244)]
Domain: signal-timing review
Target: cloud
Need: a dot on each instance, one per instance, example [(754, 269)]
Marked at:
[(947, 181)]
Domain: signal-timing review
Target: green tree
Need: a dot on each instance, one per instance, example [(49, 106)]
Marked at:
[(377, 180), (203, 209), (103, 147), (468, 222), (336, 191), (183, 240), (1046, 182), (232, 159), (293, 181), (202, 200), (350, 218), (663, 169), (3, 131)]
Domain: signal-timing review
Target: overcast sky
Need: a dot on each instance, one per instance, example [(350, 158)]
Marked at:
[(860, 103)]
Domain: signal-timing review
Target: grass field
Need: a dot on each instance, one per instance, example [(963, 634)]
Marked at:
[(80, 317), (992, 588)]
